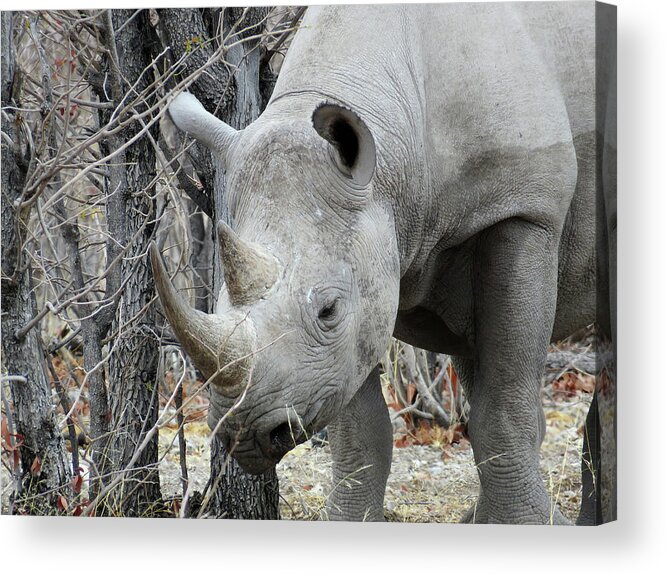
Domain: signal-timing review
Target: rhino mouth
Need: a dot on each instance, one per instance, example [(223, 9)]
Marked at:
[(257, 456), (253, 464), (262, 442)]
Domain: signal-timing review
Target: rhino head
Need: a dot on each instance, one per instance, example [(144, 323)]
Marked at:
[(311, 276)]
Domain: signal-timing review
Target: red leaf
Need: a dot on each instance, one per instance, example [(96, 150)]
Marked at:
[(4, 431), (77, 481), (15, 449), (403, 441), (62, 503), (36, 466), (8, 438), (454, 378), (77, 511), (411, 393), (585, 383), (307, 487)]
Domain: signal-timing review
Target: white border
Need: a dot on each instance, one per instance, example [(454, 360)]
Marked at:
[(634, 543)]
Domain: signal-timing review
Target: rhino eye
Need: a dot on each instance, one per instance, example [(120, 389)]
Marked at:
[(328, 313)]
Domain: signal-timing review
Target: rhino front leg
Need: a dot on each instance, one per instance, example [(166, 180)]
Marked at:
[(361, 441), (515, 295)]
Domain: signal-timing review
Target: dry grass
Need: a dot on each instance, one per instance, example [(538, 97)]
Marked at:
[(428, 483), (434, 482)]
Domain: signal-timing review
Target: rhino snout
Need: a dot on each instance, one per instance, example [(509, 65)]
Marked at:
[(283, 438), (260, 448)]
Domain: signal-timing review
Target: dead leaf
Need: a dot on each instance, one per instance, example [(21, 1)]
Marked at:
[(77, 482), (403, 441), (36, 467), (411, 393)]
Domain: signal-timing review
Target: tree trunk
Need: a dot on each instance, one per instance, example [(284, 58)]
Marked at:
[(235, 494), (201, 258), (130, 205), (92, 333), (44, 462), (239, 495)]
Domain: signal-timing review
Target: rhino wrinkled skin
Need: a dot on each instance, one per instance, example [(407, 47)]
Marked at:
[(422, 171)]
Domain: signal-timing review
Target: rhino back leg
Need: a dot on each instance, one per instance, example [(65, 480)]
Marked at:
[(361, 441), (515, 293)]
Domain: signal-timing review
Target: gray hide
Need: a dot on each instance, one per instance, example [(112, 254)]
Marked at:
[(426, 171)]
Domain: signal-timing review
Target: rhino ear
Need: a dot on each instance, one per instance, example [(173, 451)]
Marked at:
[(351, 140)]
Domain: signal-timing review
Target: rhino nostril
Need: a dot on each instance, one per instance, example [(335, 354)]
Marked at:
[(284, 436)]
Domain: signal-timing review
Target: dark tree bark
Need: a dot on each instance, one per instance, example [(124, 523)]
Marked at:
[(93, 330), (236, 99), (239, 495), (130, 209), (201, 260), (44, 462)]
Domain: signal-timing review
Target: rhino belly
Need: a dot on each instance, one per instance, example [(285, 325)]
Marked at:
[(423, 328), (577, 271)]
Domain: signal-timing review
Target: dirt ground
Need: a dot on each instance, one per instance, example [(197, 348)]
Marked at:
[(428, 483)]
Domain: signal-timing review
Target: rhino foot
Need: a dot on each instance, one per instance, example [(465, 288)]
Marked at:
[(546, 514)]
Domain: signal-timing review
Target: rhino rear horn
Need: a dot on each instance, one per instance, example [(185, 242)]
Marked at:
[(249, 271), (190, 116), (220, 347)]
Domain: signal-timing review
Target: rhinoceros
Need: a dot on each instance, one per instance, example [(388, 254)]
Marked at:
[(423, 171)]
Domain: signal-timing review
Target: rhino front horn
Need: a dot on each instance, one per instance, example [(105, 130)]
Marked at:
[(220, 346), (249, 271)]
